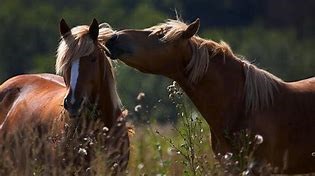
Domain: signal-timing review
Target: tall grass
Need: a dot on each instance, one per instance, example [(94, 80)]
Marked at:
[(86, 147), (175, 149), (182, 148)]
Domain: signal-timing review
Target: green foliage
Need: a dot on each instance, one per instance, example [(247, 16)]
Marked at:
[(29, 38), (44, 63), (179, 149), (191, 131), (280, 52), (144, 15), (155, 104)]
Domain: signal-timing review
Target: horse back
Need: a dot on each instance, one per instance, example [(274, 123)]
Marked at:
[(302, 95), (307, 85), (288, 127), (30, 98)]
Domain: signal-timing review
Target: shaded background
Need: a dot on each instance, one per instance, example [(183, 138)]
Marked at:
[(276, 35)]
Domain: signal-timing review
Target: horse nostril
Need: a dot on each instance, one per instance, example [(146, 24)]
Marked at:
[(65, 103), (73, 108), (77, 104)]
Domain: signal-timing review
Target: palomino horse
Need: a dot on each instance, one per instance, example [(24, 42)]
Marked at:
[(230, 93), (52, 102)]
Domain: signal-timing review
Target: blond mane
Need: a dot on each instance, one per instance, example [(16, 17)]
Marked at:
[(198, 65), (78, 44), (260, 86)]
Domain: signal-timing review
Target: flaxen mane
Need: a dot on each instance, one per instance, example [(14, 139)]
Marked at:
[(78, 44), (260, 86)]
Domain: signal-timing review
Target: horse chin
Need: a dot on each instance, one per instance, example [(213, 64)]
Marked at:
[(114, 53), (136, 66), (119, 56), (120, 53), (74, 114), (113, 56)]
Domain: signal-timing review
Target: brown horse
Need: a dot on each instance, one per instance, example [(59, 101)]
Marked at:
[(231, 93), (52, 102)]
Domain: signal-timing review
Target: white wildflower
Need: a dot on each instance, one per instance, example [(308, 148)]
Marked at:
[(82, 151), (138, 108), (259, 139)]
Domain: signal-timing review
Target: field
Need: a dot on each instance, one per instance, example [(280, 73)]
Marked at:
[(181, 148), (184, 148)]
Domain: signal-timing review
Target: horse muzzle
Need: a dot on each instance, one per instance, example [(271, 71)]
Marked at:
[(74, 109), (115, 49)]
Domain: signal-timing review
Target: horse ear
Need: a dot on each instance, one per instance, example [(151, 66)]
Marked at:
[(192, 29), (94, 30), (63, 27)]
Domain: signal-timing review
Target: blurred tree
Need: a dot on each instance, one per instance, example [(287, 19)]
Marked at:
[(296, 14), (276, 35), (278, 51)]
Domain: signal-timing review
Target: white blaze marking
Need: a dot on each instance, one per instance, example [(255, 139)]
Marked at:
[(74, 78)]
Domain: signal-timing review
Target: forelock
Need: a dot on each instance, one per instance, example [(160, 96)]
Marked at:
[(78, 44), (171, 29)]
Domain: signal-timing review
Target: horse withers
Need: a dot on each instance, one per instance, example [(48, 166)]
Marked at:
[(58, 104), (232, 94)]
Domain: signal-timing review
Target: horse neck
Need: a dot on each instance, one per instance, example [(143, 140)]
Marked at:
[(109, 102), (219, 95)]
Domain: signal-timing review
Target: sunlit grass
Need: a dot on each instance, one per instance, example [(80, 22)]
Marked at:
[(163, 150), (175, 149), (83, 149), (181, 148)]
